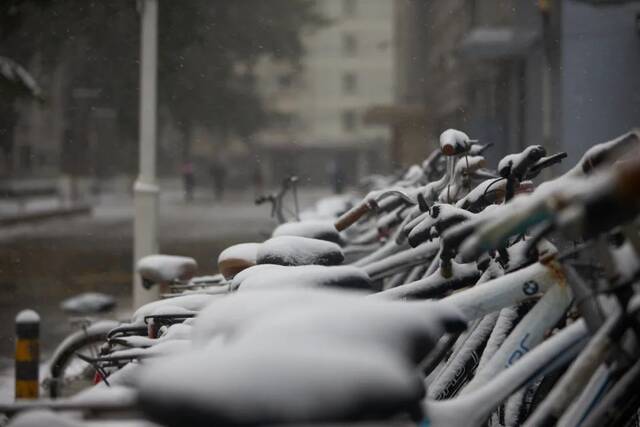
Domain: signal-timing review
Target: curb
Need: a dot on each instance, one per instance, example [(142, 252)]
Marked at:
[(44, 215)]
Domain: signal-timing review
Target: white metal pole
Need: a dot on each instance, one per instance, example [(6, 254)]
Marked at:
[(146, 189)]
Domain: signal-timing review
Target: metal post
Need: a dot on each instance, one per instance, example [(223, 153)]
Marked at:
[(27, 354), (146, 189)]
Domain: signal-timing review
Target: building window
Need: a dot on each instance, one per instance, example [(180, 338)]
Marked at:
[(349, 83), (348, 121), (349, 45), (349, 8)]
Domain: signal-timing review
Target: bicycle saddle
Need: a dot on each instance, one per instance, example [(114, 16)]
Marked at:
[(88, 303), (408, 330), (239, 278), (314, 229), (295, 250), (165, 269), (236, 258), (229, 316), (305, 276), (321, 363), (277, 384)]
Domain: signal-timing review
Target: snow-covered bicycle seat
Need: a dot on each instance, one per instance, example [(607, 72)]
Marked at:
[(236, 258), (305, 276), (165, 269), (336, 362), (278, 384), (227, 317), (88, 303), (314, 229), (296, 250), (406, 329)]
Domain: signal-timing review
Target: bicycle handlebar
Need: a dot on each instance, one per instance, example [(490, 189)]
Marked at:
[(479, 149), (369, 203), (608, 152), (516, 165), (615, 201), (587, 208), (352, 215), (544, 162)]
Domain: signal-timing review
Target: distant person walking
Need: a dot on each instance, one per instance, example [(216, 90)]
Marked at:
[(336, 176), (258, 181), (218, 172), (188, 179)]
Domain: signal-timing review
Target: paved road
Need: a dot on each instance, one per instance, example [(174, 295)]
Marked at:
[(44, 263)]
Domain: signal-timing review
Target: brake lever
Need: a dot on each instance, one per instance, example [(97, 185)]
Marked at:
[(544, 163), (477, 149), (383, 194), (484, 173)]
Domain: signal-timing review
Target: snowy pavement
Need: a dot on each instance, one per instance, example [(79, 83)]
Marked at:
[(204, 217), (13, 207)]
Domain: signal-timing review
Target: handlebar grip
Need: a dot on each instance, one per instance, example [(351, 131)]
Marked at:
[(614, 202), (352, 215), (627, 179), (516, 165), (544, 162), (608, 152)]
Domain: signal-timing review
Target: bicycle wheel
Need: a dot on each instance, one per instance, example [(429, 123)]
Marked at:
[(68, 374)]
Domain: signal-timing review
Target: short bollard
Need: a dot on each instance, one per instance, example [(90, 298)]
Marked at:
[(27, 354)]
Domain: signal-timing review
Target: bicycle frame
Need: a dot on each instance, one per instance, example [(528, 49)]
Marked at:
[(473, 408), (577, 377)]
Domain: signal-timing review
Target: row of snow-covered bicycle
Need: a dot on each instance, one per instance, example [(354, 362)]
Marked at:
[(455, 295)]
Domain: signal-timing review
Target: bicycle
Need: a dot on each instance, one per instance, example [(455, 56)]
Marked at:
[(489, 246), (67, 372)]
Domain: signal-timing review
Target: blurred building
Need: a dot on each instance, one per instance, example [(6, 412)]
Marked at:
[(517, 72), (597, 89), (406, 116), (25, 158), (62, 147), (320, 106)]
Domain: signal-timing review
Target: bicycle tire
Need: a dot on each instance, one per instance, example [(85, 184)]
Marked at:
[(91, 337)]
